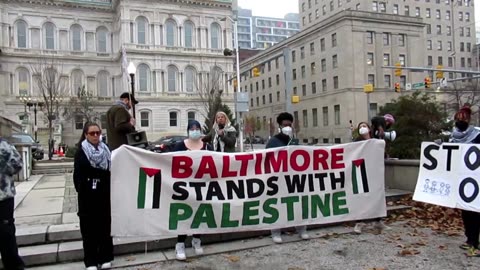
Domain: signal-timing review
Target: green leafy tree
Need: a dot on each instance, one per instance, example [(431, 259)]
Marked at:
[(418, 118)]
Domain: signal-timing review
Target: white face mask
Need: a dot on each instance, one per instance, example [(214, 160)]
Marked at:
[(363, 130), (194, 134), (287, 131)]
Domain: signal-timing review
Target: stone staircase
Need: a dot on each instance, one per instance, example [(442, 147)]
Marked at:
[(52, 168), (53, 244)]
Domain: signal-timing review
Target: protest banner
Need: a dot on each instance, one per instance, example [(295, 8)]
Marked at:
[(449, 175), (210, 192)]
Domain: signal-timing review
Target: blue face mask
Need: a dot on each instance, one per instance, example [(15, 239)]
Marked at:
[(194, 134)]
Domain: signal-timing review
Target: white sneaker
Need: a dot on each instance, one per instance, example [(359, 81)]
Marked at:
[(197, 246), (106, 265), (277, 237), (92, 268), (381, 226), (358, 227), (302, 231), (180, 252)]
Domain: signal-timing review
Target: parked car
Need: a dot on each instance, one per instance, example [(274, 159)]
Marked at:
[(37, 149), (255, 140), (165, 144)]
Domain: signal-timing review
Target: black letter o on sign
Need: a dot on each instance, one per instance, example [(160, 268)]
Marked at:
[(472, 166), (462, 189)]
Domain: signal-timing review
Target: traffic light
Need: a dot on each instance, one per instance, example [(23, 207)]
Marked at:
[(228, 52), (439, 74), (397, 87), (398, 71), (428, 83), (235, 83), (256, 72)]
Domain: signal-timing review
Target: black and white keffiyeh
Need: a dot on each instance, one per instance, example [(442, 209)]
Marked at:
[(99, 157)]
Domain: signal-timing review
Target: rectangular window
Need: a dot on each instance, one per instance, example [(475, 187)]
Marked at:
[(314, 117), (428, 13), (450, 61), (447, 15), (314, 87), (386, 59), (335, 82), (429, 29), (324, 65), (312, 68), (449, 30), (325, 116), (334, 61), (375, 6), (144, 119), (407, 11), (263, 100), (295, 90), (371, 79), (302, 53), (322, 44), (438, 14), (370, 59), (269, 82), (401, 40), (386, 39), (336, 110), (395, 9), (417, 12), (429, 44), (440, 60), (439, 29), (304, 89), (439, 45), (173, 119), (403, 81), (460, 16), (303, 72), (293, 56), (370, 37), (270, 98), (449, 46), (277, 79), (312, 48), (334, 40), (430, 60), (78, 122), (383, 7), (294, 74), (278, 96), (324, 85), (305, 118), (401, 59), (387, 81)]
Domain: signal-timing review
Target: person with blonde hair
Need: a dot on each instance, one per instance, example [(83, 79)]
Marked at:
[(223, 135)]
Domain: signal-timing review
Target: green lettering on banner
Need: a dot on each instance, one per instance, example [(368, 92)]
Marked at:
[(290, 201), (268, 209), (323, 206), (226, 222), (248, 212), (305, 207), (338, 200), (175, 216), (204, 214)]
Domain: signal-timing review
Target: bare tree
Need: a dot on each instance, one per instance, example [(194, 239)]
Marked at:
[(83, 104), (462, 93), (47, 78)]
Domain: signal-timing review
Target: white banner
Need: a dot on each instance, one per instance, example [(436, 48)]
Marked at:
[(449, 175), (209, 192)]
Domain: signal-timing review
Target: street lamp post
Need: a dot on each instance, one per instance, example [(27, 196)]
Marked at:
[(238, 115), (34, 103), (132, 70)]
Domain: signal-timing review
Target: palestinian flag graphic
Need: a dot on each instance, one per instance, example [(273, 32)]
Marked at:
[(149, 187), (359, 177)]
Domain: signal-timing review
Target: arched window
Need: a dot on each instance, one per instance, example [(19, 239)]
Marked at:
[(215, 36), (102, 39), (189, 30), (49, 35), (21, 34), (23, 81), (172, 78), (102, 83), (190, 116), (141, 30), (143, 77), (189, 79), (173, 116), (171, 28), (77, 32), (77, 81)]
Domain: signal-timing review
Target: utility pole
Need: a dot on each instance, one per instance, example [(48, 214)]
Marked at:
[(288, 80)]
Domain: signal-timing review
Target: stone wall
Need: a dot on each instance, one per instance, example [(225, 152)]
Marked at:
[(7, 127)]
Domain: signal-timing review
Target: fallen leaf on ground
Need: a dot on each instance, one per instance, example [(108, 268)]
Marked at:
[(233, 258), (406, 252), (130, 259), (442, 247), (377, 268)]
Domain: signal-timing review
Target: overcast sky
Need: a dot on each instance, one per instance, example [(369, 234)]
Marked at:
[(271, 8)]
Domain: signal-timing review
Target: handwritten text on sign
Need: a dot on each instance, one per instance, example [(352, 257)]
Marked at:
[(449, 175)]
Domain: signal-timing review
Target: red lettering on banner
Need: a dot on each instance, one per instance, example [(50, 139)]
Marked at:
[(274, 163), (294, 161), (337, 157), (320, 156), (181, 167), (207, 166), (226, 168), (244, 160), (258, 163)]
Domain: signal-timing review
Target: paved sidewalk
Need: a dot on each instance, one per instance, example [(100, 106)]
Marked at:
[(46, 200)]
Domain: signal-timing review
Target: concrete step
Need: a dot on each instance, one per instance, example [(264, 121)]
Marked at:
[(51, 171)]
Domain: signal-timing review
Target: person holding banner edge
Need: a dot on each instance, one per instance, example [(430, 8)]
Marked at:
[(365, 133), (285, 138), (463, 132), (91, 177), (193, 142)]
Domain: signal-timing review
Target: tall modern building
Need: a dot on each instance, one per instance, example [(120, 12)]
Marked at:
[(176, 47), (341, 48), (263, 32)]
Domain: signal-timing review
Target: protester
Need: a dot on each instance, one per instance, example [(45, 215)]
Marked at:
[(463, 132), (380, 124), (363, 135), (193, 142), (284, 138), (10, 164), (91, 177), (119, 121), (223, 135)]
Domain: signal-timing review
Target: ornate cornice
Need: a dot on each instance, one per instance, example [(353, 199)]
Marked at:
[(85, 4)]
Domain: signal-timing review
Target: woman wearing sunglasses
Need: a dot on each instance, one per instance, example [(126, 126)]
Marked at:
[(91, 177)]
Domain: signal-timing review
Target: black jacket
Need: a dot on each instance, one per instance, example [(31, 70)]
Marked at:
[(92, 186)]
